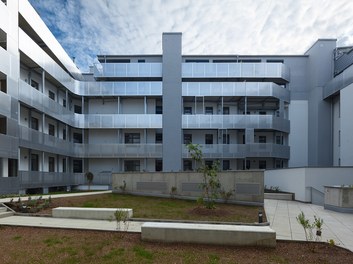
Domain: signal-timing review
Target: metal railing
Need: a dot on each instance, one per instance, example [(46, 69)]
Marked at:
[(128, 70)]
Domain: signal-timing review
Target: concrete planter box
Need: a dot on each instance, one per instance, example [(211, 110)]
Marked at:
[(279, 196), (339, 198)]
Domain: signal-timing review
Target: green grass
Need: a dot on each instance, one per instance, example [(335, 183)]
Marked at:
[(165, 208)]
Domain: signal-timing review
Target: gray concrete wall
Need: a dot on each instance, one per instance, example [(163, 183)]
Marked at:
[(248, 185), (172, 100)]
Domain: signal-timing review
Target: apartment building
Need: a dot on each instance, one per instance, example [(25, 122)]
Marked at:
[(137, 113)]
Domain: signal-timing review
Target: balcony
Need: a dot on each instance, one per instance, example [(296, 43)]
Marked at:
[(119, 121), (128, 70), (241, 151), (275, 71), (118, 150), (235, 89), (340, 81), (120, 88), (8, 146), (235, 122), (5, 105), (43, 103), (40, 179), (33, 139)]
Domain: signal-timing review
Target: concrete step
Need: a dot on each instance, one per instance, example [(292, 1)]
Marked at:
[(6, 214), (3, 209)]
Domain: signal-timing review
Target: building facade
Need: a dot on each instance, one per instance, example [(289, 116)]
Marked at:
[(137, 113)]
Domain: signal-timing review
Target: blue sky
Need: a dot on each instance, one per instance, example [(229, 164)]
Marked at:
[(86, 28)]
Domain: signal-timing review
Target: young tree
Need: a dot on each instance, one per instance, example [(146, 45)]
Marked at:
[(210, 184), (89, 177)]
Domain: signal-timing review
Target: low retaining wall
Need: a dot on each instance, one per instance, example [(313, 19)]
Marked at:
[(339, 199), (279, 196), (247, 186), (89, 213), (209, 234)]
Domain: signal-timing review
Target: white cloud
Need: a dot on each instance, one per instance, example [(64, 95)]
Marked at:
[(90, 27)]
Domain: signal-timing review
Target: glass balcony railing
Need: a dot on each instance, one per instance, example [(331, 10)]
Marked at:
[(8, 146), (5, 104), (339, 82), (128, 70), (235, 89), (263, 150), (120, 88), (235, 122), (40, 179), (235, 70)]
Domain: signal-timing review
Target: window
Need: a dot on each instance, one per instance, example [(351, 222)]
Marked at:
[(226, 110), (77, 109), (64, 134), (225, 61), (51, 130), (243, 139), (35, 85), (159, 138), (187, 138), (209, 163), (158, 165), (34, 162), (132, 165), (141, 61), (248, 113), (77, 137), (208, 139), (262, 164), (246, 164), (51, 95), (225, 138), (208, 110), (279, 140), (3, 125), (12, 167), (262, 139), (51, 164), (226, 165), (132, 138), (187, 110), (262, 112), (77, 164), (64, 102), (64, 165), (278, 164), (187, 165), (249, 60), (34, 123), (3, 84), (196, 61), (274, 61), (159, 109)]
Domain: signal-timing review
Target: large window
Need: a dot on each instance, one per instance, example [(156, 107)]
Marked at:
[(51, 95), (51, 130), (209, 139), (158, 165), (34, 162), (187, 138), (226, 165), (262, 139), (132, 138), (77, 109), (262, 164), (187, 165), (77, 164), (51, 164), (64, 165), (225, 110), (187, 110), (159, 138), (225, 138), (64, 134), (34, 123), (35, 85), (77, 137), (132, 165), (279, 140), (159, 109), (209, 110)]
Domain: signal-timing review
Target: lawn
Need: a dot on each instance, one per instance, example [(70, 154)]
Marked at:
[(42, 245), (164, 208)]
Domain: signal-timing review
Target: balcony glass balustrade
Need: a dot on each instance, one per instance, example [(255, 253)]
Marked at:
[(126, 70), (36, 179), (236, 70)]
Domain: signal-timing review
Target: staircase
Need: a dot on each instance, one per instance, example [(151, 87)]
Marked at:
[(4, 211)]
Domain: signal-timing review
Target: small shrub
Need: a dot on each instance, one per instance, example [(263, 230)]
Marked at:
[(226, 195)]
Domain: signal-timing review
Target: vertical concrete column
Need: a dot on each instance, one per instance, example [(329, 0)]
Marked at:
[(172, 97), (43, 81)]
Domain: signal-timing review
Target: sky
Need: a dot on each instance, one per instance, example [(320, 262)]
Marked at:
[(86, 28)]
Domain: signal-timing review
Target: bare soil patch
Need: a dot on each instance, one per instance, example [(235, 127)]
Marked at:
[(43, 245)]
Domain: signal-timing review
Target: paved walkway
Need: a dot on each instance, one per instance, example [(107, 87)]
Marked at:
[(281, 214)]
